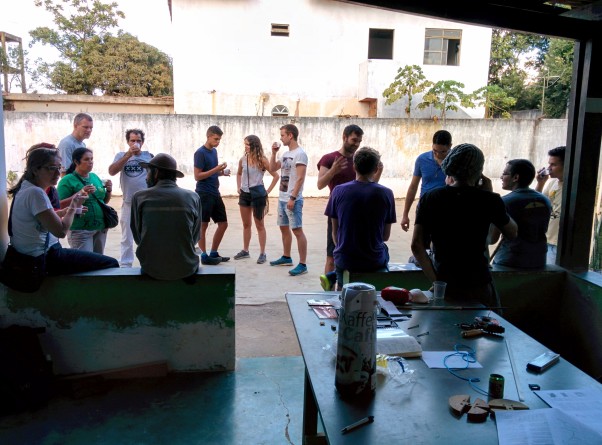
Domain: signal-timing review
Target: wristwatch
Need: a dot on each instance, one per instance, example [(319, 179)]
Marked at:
[(294, 198)]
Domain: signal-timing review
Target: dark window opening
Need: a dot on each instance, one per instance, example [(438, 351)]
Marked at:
[(280, 30), (380, 44)]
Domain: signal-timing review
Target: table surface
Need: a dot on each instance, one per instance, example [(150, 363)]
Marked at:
[(418, 412)]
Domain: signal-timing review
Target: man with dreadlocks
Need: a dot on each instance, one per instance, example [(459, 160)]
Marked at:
[(457, 218)]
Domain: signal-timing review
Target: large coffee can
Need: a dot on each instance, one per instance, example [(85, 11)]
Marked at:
[(355, 376)]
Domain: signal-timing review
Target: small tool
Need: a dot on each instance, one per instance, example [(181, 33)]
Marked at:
[(359, 423)]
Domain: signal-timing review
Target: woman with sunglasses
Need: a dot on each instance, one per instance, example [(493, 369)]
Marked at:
[(34, 226), (88, 231)]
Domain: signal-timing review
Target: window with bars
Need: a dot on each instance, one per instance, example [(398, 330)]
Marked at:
[(280, 110), (442, 46)]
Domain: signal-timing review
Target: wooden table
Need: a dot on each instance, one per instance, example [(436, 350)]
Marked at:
[(417, 412)]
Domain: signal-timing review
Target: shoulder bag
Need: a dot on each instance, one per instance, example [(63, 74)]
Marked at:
[(21, 272), (257, 191), (109, 214), (259, 197)]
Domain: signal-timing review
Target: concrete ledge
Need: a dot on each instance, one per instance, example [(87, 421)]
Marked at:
[(117, 317)]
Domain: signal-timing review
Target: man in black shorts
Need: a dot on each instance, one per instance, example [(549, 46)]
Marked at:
[(206, 173)]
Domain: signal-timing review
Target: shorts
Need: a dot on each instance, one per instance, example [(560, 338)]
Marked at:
[(329, 241), (260, 206), (293, 218), (213, 208)]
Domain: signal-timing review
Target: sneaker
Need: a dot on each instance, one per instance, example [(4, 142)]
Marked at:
[(282, 262), (222, 259), (299, 270), (262, 259), (209, 260), (242, 254), (328, 280)]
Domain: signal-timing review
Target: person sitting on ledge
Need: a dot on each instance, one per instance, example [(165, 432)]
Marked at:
[(166, 222)]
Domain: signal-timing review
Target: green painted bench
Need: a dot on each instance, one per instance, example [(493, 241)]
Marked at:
[(118, 318)]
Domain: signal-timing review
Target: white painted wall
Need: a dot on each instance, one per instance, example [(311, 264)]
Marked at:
[(224, 56), (399, 141)]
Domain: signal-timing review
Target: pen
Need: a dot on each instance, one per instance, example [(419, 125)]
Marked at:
[(415, 326), (424, 333), (359, 423)]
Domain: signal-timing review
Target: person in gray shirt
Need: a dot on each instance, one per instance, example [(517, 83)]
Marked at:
[(82, 129), (531, 211), (166, 222)]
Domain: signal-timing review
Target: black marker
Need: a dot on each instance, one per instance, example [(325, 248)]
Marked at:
[(359, 423)]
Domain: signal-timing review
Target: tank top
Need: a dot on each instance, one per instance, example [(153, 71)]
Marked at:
[(251, 176)]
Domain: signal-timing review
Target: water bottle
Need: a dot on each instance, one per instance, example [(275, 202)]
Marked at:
[(355, 376)]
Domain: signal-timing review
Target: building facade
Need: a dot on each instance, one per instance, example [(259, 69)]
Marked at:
[(320, 58)]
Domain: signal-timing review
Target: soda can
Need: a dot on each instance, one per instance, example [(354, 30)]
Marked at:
[(496, 386)]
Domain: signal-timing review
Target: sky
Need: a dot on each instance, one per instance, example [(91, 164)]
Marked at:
[(147, 19)]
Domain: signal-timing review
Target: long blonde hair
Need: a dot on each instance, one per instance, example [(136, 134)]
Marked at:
[(255, 156)]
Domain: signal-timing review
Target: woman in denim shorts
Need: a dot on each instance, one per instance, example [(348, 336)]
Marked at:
[(251, 168)]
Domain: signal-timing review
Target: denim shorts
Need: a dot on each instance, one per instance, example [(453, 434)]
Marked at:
[(290, 218)]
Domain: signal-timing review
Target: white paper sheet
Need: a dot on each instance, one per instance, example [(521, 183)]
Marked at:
[(547, 426), (434, 359), (584, 405)]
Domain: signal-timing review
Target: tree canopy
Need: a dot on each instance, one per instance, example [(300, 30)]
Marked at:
[(93, 59)]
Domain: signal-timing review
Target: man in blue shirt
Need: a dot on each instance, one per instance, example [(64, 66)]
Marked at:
[(531, 211), (428, 169), (207, 170)]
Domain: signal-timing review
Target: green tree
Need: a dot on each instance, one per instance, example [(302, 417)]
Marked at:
[(496, 101), (446, 95), (556, 77), (513, 57), (409, 81), (92, 59)]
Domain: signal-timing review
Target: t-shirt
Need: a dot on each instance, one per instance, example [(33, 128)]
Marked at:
[(531, 212), (132, 177), (29, 236), (288, 173), (93, 219), (251, 175), (430, 171), (205, 160), (553, 190), (66, 148), (457, 221), (345, 175), (362, 210)]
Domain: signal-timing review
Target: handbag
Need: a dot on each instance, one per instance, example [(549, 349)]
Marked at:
[(258, 192), (259, 197), (109, 214), (23, 272)]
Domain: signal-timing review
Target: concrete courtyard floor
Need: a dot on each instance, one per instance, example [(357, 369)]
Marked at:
[(263, 324)]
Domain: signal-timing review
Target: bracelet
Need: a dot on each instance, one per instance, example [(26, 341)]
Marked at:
[(294, 198)]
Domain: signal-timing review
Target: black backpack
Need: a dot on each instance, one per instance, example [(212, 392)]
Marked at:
[(25, 375)]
